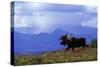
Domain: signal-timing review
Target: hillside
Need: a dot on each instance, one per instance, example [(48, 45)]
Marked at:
[(86, 54)]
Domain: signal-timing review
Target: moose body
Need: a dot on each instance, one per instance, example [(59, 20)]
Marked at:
[(73, 42)]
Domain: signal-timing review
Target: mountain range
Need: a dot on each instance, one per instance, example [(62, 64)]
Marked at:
[(24, 43)]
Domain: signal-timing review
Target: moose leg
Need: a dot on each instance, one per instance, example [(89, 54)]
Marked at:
[(83, 46), (87, 46), (66, 49), (73, 49)]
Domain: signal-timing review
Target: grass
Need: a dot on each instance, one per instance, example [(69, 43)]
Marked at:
[(80, 54)]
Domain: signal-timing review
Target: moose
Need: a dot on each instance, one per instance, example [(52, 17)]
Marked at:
[(72, 42)]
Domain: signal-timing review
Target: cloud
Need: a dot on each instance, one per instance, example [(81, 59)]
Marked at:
[(23, 21), (90, 9), (27, 8), (49, 21), (47, 18), (90, 23)]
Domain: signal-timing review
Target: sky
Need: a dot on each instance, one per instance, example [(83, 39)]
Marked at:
[(45, 17)]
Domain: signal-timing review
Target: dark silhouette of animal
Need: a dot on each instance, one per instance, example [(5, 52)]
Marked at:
[(72, 42)]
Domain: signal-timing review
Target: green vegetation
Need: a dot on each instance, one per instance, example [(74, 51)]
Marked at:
[(80, 54), (94, 43)]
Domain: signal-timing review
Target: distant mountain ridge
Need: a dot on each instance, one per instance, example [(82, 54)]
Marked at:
[(44, 41)]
